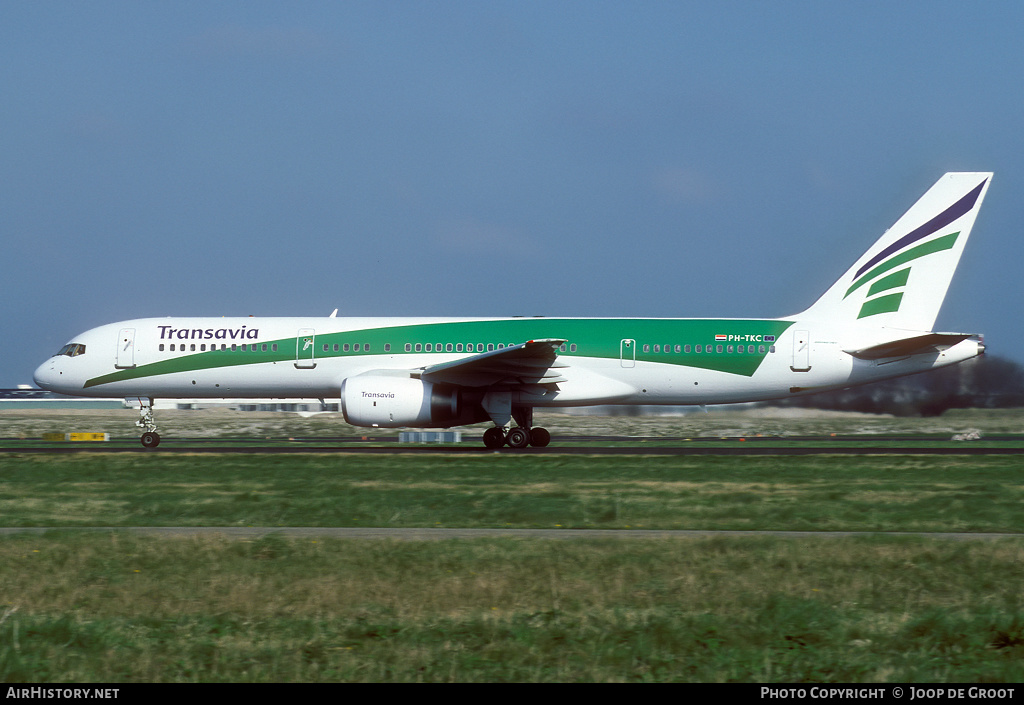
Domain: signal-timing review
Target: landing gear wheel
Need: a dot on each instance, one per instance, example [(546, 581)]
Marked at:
[(518, 437), (539, 437), (150, 438), (494, 438)]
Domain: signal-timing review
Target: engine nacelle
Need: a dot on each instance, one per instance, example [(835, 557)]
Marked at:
[(390, 402)]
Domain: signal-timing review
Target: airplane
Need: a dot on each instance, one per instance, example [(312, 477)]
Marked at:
[(874, 323)]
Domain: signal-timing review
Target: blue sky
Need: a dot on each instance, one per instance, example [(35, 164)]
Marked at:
[(490, 158)]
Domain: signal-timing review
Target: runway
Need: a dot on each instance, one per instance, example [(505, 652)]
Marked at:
[(574, 445)]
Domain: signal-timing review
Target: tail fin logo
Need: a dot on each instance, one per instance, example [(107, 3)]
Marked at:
[(885, 271)]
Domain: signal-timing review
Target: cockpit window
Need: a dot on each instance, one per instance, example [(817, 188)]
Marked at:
[(72, 350)]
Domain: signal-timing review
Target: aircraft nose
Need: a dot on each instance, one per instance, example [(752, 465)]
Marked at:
[(46, 375)]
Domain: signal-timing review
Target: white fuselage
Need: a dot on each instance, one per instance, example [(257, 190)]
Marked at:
[(615, 361)]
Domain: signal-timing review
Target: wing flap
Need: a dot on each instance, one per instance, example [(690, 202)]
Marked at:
[(533, 362)]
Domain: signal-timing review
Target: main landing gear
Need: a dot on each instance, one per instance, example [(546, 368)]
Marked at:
[(519, 436), (150, 438)]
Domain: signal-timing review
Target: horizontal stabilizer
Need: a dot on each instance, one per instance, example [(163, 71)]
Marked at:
[(915, 345)]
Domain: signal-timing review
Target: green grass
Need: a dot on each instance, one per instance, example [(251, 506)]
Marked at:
[(829, 493), (123, 608)]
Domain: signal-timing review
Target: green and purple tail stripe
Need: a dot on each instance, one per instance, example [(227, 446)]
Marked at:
[(903, 251), (950, 215)]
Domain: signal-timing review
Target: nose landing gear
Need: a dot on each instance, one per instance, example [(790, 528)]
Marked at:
[(150, 438)]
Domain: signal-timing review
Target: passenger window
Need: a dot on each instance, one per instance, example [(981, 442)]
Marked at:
[(687, 348), (427, 347), (458, 347), (718, 348), (387, 347), (647, 348), (448, 347), (572, 347), (419, 347), (408, 347)]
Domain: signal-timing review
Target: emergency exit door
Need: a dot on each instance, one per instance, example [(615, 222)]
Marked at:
[(627, 352), (305, 349)]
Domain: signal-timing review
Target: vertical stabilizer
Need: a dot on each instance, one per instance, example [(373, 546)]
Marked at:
[(901, 281)]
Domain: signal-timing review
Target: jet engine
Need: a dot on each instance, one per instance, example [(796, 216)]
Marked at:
[(385, 401)]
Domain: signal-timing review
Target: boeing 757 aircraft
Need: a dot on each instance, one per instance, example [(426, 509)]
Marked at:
[(874, 323)]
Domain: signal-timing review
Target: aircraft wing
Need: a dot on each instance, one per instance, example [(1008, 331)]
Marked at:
[(532, 362), (929, 342)]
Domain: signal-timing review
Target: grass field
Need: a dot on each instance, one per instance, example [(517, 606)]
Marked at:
[(121, 607), (830, 493)]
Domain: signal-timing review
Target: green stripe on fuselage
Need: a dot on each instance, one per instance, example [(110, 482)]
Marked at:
[(593, 338)]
